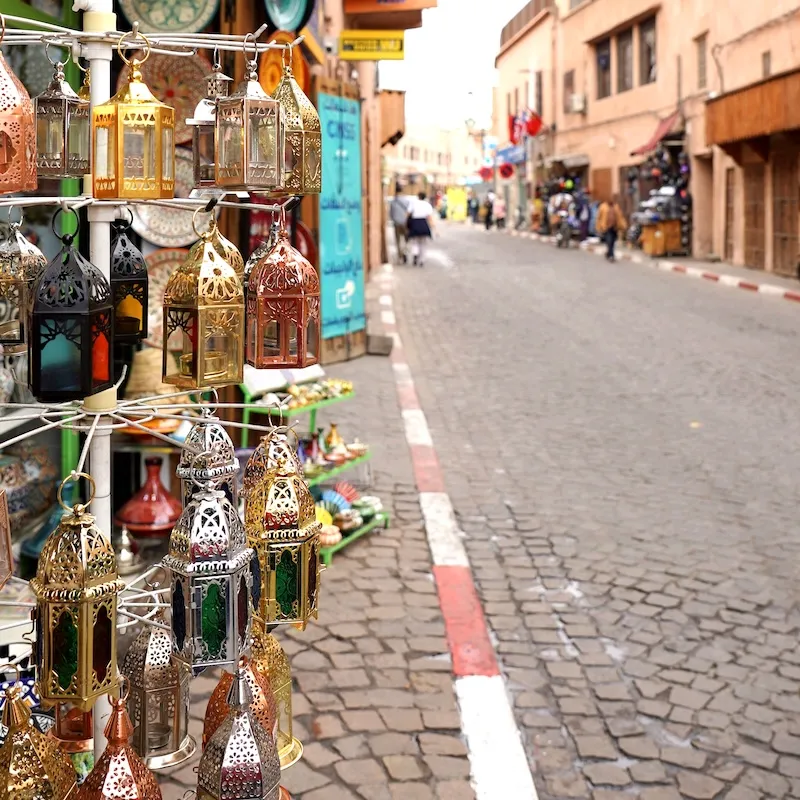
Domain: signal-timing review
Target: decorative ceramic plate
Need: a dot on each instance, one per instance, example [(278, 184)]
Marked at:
[(174, 16), (347, 490), (169, 227), (178, 82), (160, 265), (290, 15), (323, 515), (332, 498), (270, 71)]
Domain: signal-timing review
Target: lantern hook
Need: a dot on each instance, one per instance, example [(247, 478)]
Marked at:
[(135, 35), (212, 224), (16, 669), (59, 65), (16, 224), (159, 575), (120, 223), (66, 238), (290, 49), (74, 476), (124, 690), (216, 61)]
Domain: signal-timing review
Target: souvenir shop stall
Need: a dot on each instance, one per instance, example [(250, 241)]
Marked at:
[(220, 547)]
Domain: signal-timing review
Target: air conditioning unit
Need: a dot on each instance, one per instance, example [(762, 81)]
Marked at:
[(577, 103)]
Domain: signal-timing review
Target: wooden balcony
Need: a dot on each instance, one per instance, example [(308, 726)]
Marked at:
[(393, 116), (400, 15)]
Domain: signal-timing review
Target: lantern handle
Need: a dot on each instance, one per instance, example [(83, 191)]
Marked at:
[(74, 476), (287, 64), (66, 238), (216, 62), (59, 65), (124, 690), (16, 669), (120, 223), (159, 575), (255, 46), (136, 35), (212, 225), (8, 217)]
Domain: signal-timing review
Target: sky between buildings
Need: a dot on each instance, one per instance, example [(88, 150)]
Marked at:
[(451, 55)]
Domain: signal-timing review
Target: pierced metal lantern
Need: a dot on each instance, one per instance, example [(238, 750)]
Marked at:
[(209, 459), (262, 704), (203, 321), (281, 526), (31, 765), (129, 286), (62, 129), (72, 729), (302, 173), (269, 659), (72, 329), (211, 584), (249, 138), (229, 251), (159, 697), (21, 263), (17, 132), (134, 140), (119, 774), (76, 588), (203, 125), (283, 310), (240, 760)]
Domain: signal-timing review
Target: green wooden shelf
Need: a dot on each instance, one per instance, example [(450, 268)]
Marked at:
[(380, 519), (332, 473)]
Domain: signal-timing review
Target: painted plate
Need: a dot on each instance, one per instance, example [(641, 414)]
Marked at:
[(331, 498), (290, 15), (173, 16), (178, 82), (160, 265), (323, 515), (270, 70)]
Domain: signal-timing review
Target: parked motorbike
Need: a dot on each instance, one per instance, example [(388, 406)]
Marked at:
[(568, 229)]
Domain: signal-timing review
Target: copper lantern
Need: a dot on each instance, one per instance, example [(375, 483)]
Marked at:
[(17, 132), (283, 310), (129, 286)]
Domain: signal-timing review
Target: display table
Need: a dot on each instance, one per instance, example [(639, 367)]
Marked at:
[(662, 238)]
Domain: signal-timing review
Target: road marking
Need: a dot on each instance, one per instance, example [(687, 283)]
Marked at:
[(385, 300), (416, 425), (444, 537), (388, 318)]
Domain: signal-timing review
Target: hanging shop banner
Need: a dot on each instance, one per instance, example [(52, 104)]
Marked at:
[(341, 243), (372, 45), (371, 6)]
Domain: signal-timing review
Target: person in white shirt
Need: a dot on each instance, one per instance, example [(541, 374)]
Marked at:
[(398, 211), (420, 227)]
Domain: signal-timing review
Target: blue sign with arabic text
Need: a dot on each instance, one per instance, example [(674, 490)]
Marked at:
[(341, 243)]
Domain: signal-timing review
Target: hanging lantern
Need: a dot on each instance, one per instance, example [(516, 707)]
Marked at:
[(211, 584), (159, 697), (203, 320), (302, 172), (283, 310), (72, 328), (73, 729), (262, 251), (76, 588), (240, 760), (62, 129), (31, 765), (229, 251), (269, 659), (134, 140), (17, 131), (249, 137), (281, 526), (208, 459), (203, 126), (21, 263), (129, 286), (119, 774), (262, 703)]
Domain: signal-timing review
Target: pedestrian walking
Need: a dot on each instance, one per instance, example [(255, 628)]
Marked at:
[(420, 227), (488, 207), (610, 224), (499, 212), (398, 211), (473, 207)]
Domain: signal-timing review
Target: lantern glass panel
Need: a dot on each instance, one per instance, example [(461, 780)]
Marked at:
[(50, 131), (286, 583), (60, 347), (178, 615), (78, 139), (129, 313), (292, 339), (101, 350), (101, 647), (167, 154), (272, 339), (204, 152), (65, 649), (105, 153), (214, 620), (183, 718), (242, 611), (312, 339), (263, 137), (231, 145), (139, 146), (181, 329)]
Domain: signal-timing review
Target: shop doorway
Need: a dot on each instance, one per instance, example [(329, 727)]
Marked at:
[(730, 178), (754, 228), (784, 212)]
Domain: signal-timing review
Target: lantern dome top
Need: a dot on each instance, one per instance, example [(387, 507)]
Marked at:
[(15, 102), (135, 91), (280, 505), (19, 259), (299, 111), (127, 259), (71, 284), (209, 537), (148, 663), (273, 450), (209, 452), (58, 89), (284, 272), (204, 279), (228, 250)]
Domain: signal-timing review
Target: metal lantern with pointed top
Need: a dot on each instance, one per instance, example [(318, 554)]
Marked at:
[(203, 320), (134, 140), (76, 588), (21, 263), (283, 310), (229, 251), (203, 125), (249, 138), (31, 765), (240, 760), (129, 286), (119, 773), (17, 132), (281, 526), (211, 584), (159, 697), (262, 704), (72, 329), (302, 172), (269, 659), (208, 459), (62, 129)]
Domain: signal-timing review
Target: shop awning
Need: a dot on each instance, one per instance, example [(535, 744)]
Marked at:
[(662, 129), (569, 160)]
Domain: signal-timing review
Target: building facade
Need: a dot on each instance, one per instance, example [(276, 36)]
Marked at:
[(626, 76)]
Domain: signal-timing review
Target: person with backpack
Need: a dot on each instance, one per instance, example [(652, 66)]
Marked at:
[(610, 224)]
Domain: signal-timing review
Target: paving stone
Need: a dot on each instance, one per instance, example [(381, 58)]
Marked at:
[(454, 790), (785, 743), (359, 771), (564, 669), (660, 793), (755, 755), (638, 747), (648, 772), (330, 793), (684, 757), (392, 744), (595, 747), (566, 786), (688, 698), (447, 767), (403, 768), (602, 774), (303, 779), (611, 691), (411, 791), (318, 755), (362, 720), (699, 787), (436, 744), (401, 719)]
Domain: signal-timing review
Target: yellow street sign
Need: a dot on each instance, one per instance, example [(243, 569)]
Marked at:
[(372, 45)]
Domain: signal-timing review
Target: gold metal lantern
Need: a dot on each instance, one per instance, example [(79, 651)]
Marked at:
[(249, 137), (76, 589), (31, 765), (203, 320), (134, 140), (159, 697), (281, 526), (302, 173), (229, 251)]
